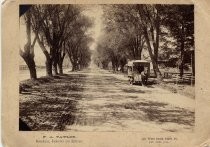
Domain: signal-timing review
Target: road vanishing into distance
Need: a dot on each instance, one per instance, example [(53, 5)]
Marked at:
[(98, 100)]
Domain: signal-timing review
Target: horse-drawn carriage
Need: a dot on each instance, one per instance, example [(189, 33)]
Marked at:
[(138, 71)]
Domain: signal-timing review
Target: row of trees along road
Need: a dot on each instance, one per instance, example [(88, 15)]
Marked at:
[(59, 30), (161, 30)]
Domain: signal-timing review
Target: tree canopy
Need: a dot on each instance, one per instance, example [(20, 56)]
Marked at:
[(164, 31), (60, 29)]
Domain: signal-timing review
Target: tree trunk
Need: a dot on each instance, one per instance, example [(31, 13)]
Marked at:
[(48, 64), (60, 67), (113, 66), (55, 69), (156, 54), (104, 64), (74, 66), (181, 68), (139, 57), (28, 53), (156, 45), (31, 66), (48, 61), (155, 65), (117, 66), (60, 61), (32, 69), (193, 63), (122, 68)]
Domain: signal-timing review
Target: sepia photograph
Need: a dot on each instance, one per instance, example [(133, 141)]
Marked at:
[(107, 68)]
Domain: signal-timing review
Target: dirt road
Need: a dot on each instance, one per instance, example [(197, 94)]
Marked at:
[(96, 100)]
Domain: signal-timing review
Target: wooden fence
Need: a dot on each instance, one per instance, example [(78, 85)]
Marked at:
[(186, 78)]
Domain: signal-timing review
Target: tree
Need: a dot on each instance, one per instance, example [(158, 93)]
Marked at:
[(100, 57), (50, 23), (28, 53), (85, 57), (125, 19), (110, 48), (78, 41), (61, 55), (150, 22), (140, 24), (78, 52), (180, 21), (155, 25)]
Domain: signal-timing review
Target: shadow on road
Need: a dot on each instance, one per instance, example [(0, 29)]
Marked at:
[(96, 101), (158, 112), (50, 104)]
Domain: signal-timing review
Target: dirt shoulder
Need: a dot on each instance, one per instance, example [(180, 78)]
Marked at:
[(49, 103), (186, 90), (181, 88)]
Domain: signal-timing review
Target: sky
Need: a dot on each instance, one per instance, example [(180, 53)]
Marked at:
[(95, 12)]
